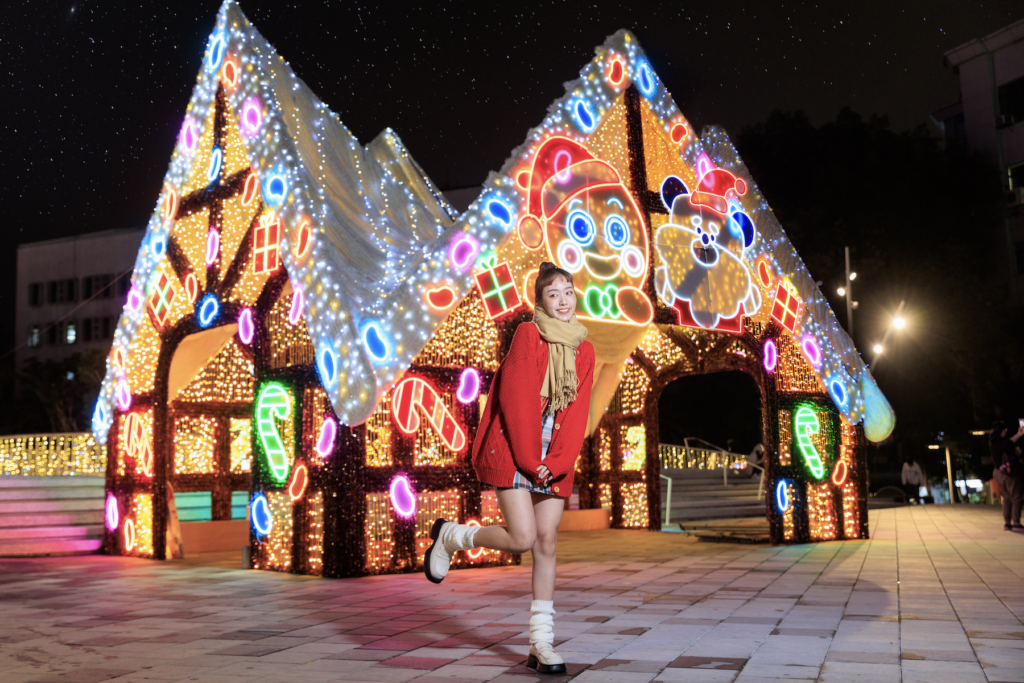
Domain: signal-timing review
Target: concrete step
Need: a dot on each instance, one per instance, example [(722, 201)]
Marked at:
[(68, 505), (49, 546), (46, 532), (715, 503), (712, 492), (731, 512), (19, 482), (55, 493), (56, 518)]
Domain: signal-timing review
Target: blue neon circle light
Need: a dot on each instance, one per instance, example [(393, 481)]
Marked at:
[(208, 310), (216, 157), (645, 79), (581, 228), (158, 244), (218, 46), (616, 232), (838, 391), (275, 188), (375, 341), (584, 116), (327, 364), (782, 495), (501, 212), (259, 511)]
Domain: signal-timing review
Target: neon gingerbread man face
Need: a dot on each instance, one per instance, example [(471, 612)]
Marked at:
[(580, 208)]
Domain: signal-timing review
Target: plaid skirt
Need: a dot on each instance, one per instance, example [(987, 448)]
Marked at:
[(521, 482)]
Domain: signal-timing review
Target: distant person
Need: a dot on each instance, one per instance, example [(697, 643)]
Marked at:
[(1007, 472), (913, 479), (755, 460)]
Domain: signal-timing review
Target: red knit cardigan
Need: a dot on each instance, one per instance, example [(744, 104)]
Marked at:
[(509, 436)]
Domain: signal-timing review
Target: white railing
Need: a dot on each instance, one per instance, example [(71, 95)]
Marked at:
[(710, 457)]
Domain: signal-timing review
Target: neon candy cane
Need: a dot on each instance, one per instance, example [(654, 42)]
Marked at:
[(415, 392), (806, 425), (274, 404)]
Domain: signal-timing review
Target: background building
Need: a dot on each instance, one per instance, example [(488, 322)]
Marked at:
[(70, 292), (989, 120)]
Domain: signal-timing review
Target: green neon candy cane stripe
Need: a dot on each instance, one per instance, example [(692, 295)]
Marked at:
[(274, 404), (804, 426)]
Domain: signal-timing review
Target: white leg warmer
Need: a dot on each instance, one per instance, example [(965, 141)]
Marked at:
[(543, 657)]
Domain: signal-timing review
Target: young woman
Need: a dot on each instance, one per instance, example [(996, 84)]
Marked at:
[(526, 447)]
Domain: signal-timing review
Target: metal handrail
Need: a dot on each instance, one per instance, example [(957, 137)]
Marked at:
[(668, 504)]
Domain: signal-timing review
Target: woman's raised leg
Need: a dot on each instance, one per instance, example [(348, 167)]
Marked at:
[(520, 531)]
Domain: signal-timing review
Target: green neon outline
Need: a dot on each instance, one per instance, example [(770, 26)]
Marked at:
[(609, 309), (805, 424), (275, 403)]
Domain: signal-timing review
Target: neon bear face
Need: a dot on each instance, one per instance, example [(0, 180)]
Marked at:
[(593, 228), (700, 264)]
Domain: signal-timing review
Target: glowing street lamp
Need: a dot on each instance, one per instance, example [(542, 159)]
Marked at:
[(841, 291), (899, 323), (877, 348)]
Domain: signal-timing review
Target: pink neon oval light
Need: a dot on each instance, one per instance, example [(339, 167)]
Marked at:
[(189, 136), (771, 355), (562, 172), (134, 299), (403, 498), (113, 517), (811, 350), (463, 252), (469, 385), (295, 313), (328, 430), (245, 326), (212, 246), (124, 396), (252, 115)]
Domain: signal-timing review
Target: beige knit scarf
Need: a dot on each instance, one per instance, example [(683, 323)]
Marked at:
[(559, 385)]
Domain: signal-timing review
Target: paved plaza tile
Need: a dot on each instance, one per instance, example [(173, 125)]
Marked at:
[(936, 595)]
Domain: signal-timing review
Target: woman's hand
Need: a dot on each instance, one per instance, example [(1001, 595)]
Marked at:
[(543, 473), (1020, 433)]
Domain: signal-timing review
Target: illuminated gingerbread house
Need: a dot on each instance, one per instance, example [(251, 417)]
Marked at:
[(312, 330)]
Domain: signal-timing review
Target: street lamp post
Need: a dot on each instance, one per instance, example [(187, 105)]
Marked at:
[(849, 294)]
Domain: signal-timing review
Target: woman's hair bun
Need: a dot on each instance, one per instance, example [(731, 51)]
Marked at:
[(546, 266)]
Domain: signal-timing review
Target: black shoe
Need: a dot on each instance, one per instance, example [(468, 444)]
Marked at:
[(533, 663), (1007, 527)]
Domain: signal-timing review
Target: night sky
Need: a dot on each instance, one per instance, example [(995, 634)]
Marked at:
[(95, 92)]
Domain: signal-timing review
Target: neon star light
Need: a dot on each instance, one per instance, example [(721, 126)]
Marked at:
[(805, 426), (275, 403), (414, 395)]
